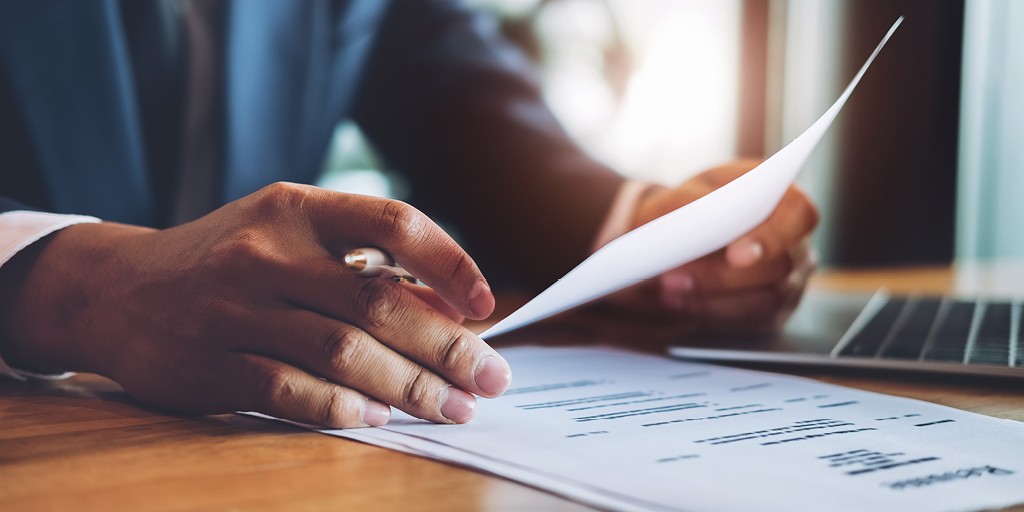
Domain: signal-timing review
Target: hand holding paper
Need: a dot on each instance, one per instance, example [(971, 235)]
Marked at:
[(696, 229), (749, 287)]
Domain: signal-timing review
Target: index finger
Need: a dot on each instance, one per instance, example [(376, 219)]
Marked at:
[(345, 221), (791, 221)]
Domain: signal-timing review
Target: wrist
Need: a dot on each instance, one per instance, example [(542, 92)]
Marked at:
[(648, 205), (621, 217), (50, 293)]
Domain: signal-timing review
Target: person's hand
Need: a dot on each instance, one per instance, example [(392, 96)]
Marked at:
[(750, 287), (250, 308)]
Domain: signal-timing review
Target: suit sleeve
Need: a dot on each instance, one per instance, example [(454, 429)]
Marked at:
[(456, 110), (7, 205)]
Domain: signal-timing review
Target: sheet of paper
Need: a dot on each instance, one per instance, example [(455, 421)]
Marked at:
[(627, 431), (688, 233)]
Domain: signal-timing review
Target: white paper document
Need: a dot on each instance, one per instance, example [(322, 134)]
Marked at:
[(626, 431), (688, 233)]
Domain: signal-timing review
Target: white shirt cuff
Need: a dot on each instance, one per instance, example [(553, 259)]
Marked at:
[(18, 230)]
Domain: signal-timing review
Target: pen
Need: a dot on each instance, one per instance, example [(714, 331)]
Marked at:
[(373, 262)]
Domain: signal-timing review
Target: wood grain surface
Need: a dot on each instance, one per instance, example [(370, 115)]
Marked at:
[(83, 444)]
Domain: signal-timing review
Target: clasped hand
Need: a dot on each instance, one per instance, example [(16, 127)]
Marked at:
[(749, 287)]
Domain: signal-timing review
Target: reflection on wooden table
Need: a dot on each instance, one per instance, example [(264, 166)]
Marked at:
[(84, 444)]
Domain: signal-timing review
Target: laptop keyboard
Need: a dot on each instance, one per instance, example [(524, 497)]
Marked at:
[(940, 330)]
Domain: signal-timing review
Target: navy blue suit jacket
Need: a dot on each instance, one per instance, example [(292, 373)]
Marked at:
[(437, 92)]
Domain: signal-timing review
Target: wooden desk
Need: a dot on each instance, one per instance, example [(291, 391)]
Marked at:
[(84, 444)]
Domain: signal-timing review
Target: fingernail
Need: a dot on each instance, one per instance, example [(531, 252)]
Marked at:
[(376, 414), (481, 301), (457, 405), (492, 375), (678, 283), (745, 253)]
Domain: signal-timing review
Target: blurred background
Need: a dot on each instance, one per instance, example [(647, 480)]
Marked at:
[(924, 165)]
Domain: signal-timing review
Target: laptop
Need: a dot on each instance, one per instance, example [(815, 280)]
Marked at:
[(945, 334)]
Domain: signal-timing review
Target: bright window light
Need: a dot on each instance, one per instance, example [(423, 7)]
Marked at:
[(678, 113)]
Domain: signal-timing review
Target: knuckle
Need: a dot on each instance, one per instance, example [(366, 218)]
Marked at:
[(813, 215), (419, 392), (275, 386), (461, 265), (455, 351), (401, 222), (807, 210), (280, 197), (343, 348), (338, 410), (377, 302)]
